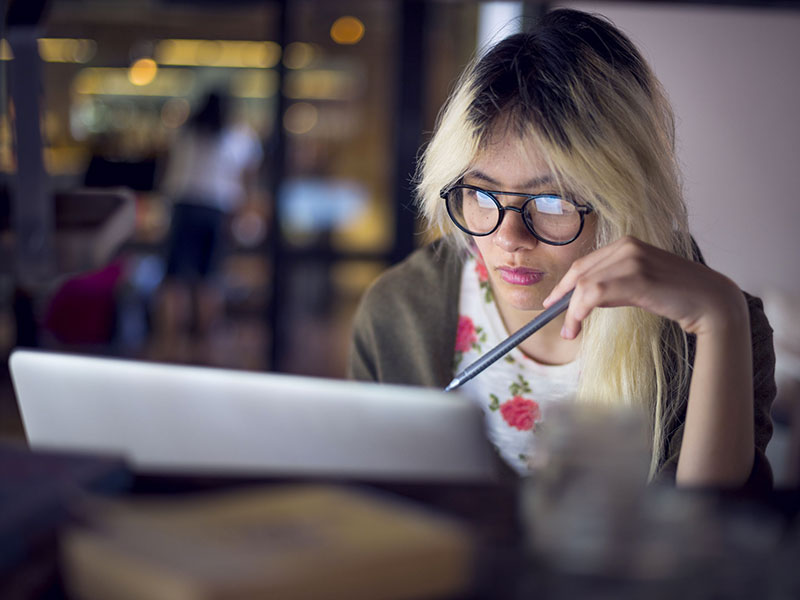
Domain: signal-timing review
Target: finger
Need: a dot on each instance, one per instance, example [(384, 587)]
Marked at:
[(615, 285), (580, 267)]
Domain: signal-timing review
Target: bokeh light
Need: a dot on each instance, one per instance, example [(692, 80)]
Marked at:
[(143, 72), (174, 112), (347, 30), (300, 118), (298, 55)]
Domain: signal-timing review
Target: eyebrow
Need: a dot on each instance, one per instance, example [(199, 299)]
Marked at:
[(532, 183)]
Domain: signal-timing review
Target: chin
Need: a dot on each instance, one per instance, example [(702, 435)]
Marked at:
[(526, 300)]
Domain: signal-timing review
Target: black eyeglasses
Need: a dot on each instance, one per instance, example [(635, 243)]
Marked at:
[(552, 219)]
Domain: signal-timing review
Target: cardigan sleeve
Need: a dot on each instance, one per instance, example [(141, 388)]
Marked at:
[(364, 347), (764, 391), (405, 326)]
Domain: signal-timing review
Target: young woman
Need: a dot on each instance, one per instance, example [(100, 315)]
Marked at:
[(552, 167)]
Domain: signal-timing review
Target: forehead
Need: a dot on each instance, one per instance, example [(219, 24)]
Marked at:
[(508, 160)]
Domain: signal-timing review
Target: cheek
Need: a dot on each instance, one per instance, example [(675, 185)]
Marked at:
[(575, 253), (584, 245), (582, 249), (480, 247), (559, 259), (588, 238)]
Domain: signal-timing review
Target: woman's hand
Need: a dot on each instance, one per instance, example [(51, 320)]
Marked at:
[(632, 273), (718, 443)]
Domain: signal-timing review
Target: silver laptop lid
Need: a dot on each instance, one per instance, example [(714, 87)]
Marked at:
[(170, 418)]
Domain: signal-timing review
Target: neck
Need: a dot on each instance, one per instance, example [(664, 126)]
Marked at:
[(546, 346)]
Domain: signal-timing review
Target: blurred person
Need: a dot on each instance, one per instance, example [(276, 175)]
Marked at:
[(553, 167), (211, 169)]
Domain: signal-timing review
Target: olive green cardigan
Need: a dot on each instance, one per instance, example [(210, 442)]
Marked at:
[(405, 331)]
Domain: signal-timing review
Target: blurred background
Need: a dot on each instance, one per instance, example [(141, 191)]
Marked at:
[(108, 147)]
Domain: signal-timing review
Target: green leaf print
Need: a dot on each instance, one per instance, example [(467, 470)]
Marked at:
[(480, 338), (487, 293), (519, 387), (495, 403), (509, 359)]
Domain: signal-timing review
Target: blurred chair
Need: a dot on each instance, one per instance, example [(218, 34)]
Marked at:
[(90, 227)]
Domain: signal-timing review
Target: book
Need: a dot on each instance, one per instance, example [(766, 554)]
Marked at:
[(289, 542)]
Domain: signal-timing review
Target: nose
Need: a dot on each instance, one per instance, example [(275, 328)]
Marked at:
[(513, 235)]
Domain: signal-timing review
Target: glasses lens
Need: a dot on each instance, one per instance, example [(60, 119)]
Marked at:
[(553, 218), (473, 210)]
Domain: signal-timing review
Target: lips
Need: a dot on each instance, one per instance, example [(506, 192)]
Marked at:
[(520, 275)]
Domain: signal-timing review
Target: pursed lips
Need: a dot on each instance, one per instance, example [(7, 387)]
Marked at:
[(520, 275)]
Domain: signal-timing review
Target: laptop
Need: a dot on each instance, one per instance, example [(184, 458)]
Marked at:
[(184, 419)]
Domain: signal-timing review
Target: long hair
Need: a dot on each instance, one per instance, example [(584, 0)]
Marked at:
[(578, 91)]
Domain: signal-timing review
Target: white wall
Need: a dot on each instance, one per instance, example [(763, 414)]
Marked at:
[(497, 20), (733, 76)]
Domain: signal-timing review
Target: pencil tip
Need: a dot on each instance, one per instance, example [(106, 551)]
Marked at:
[(452, 385)]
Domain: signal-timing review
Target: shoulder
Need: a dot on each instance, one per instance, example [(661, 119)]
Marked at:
[(436, 266), (763, 347), (405, 325), (416, 291), (760, 329), (764, 391)]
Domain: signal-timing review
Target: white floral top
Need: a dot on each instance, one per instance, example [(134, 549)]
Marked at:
[(516, 391)]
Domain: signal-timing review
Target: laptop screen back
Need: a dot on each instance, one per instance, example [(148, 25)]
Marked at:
[(171, 418)]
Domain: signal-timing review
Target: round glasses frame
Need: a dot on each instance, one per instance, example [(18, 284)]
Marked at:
[(582, 210)]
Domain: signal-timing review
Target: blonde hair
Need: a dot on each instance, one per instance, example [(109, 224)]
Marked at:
[(577, 90)]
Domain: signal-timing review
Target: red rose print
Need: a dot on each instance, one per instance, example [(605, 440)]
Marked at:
[(466, 334), (520, 413), (480, 269)]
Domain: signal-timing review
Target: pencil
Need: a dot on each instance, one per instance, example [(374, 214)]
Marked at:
[(510, 342)]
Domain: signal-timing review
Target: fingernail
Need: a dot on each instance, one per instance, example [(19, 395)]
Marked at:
[(565, 332), (546, 301)]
